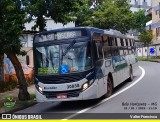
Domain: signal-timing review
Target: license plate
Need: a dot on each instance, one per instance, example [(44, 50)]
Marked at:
[(61, 96)]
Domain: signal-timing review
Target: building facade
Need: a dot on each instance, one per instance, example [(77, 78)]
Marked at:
[(139, 4), (27, 38), (155, 25)]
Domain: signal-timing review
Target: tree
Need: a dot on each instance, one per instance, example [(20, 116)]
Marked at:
[(11, 26), (58, 10), (108, 14), (13, 15), (146, 37), (1, 68), (140, 20), (85, 13)]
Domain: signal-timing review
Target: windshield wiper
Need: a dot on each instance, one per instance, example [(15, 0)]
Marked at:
[(69, 47)]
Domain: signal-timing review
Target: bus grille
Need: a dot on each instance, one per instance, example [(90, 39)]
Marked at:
[(59, 79), (71, 93)]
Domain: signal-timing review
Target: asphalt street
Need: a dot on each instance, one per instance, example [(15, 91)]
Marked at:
[(139, 96)]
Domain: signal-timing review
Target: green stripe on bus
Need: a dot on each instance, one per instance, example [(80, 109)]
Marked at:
[(121, 66)]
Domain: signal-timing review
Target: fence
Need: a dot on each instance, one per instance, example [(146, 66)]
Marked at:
[(150, 51)]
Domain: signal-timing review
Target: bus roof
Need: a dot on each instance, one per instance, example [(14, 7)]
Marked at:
[(108, 32), (71, 28)]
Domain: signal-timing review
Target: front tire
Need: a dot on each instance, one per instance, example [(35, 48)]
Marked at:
[(109, 87)]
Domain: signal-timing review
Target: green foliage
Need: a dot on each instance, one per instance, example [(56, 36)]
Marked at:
[(140, 20), (14, 13), (58, 10), (9, 85), (84, 13), (33, 96), (11, 25), (1, 86), (107, 14), (152, 59), (146, 37)]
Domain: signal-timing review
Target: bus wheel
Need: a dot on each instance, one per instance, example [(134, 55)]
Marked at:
[(131, 74), (109, 87)]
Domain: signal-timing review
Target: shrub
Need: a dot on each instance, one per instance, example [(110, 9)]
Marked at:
[(8, 85)]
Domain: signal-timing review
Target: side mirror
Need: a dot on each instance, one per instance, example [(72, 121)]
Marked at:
[(27, 59)]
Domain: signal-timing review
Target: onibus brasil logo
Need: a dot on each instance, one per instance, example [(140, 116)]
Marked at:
[(9, 102)]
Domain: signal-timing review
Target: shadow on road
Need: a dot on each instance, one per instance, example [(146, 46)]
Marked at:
[(123, 84), (74, 105)]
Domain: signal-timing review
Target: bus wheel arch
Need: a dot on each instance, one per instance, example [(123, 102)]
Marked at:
[(110, 85)]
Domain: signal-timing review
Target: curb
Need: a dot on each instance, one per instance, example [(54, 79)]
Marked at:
[(155, 61), (151, 61)]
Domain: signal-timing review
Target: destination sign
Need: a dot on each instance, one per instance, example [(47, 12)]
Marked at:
[(58, 36), (68, 34)]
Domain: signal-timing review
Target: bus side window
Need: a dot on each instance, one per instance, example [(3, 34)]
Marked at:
[(99, 49), (133, 42), (121, 52), (122, 42), (106, 47), (130, 42), (116, 44), (97, 38), (126, 42), (110, 41), (115, 51)]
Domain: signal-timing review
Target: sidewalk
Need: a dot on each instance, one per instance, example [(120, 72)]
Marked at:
[(19, 104)]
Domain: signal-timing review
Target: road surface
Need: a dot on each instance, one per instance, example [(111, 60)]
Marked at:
[(138, 96)]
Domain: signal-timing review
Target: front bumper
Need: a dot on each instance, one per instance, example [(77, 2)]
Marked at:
[(89, 93)]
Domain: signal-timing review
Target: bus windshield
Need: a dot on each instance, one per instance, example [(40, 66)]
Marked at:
[(52, 60)]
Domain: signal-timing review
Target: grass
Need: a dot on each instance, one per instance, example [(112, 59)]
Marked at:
[(18, 106), (154, 59)]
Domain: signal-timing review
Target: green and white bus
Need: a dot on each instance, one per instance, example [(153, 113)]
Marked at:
[(81, 63)]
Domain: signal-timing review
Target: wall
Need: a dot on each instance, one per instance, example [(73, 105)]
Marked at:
[(50, 25), (155, 21), (27, 39), (139, 4), (145, 51), (9, 71)]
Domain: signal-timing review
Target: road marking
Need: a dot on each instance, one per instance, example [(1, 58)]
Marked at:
[(114, 95)]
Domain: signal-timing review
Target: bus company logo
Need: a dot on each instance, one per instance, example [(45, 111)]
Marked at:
[(9, 102), (152, 51)]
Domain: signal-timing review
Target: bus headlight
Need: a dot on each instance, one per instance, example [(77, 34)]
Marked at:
[(85, 86), (40, 89)]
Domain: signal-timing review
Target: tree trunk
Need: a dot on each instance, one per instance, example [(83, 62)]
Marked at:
[(23, 92), (1, 68)]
